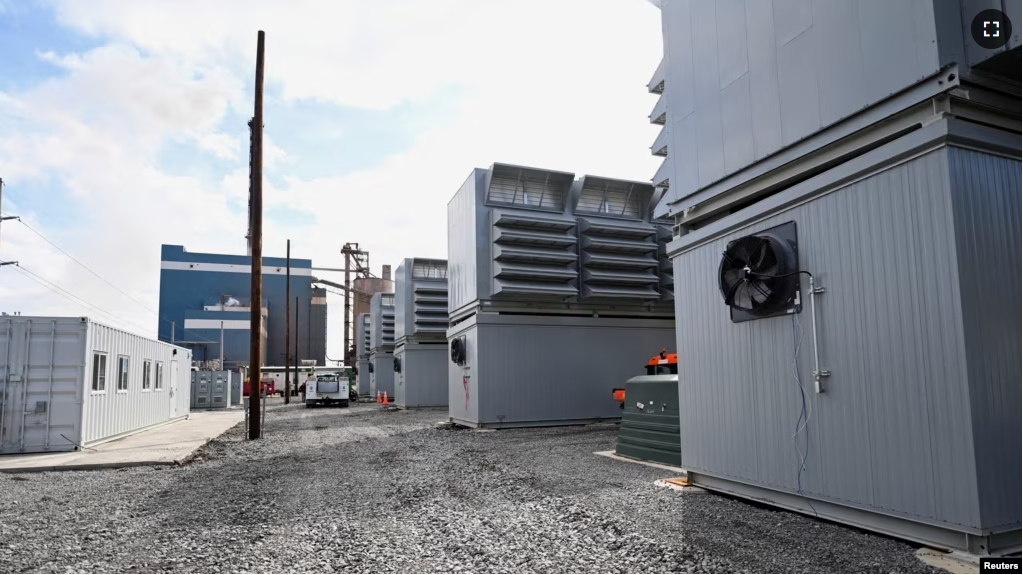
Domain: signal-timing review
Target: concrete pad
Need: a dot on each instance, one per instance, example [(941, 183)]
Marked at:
[(169, 444), (613, 455), (954, 562)]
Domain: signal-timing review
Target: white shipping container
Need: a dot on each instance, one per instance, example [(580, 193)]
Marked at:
[(69, 382)]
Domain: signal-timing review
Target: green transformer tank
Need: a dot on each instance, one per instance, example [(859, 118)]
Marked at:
[(650, 420)]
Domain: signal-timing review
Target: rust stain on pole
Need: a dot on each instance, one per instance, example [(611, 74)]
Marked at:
[(256, 305)]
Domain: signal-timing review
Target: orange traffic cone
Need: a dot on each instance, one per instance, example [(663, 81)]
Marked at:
[(385, 398), (378, 398)]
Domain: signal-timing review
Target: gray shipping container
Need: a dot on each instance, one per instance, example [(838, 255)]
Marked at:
[(421, 374), (69, 382), (894, 153), (522, 370), (381, 374)]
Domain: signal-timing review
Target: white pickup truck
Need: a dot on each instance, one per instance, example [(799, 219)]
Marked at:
[(326, 389)]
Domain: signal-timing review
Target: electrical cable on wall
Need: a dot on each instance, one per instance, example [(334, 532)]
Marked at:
[(806, 409)]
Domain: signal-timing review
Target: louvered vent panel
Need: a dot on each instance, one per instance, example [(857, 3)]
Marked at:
[(528, 187), (429, 298), (612, 197), (387, 319), (535, 257), (667, 272), (619, 261)]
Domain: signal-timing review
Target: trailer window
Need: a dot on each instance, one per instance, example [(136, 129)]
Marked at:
[(159, 375), (99, 371), (147, 374), (122, 373)]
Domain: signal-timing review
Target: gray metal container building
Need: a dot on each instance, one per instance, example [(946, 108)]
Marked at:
[(420, 333), (558, 291), (381, 341), (893, 152), (363, 352), (69, 382)]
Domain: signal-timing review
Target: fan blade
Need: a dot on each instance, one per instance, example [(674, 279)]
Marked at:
[(757, 286), (730, 296), (753, 259), (745, 301)]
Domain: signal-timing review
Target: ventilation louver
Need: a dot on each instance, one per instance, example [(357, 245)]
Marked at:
[(667, 272), (397, 365), (619, 260), (429, 297), (534, 257), (759, 274)]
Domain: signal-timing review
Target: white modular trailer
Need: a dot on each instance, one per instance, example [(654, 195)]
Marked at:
[(420, 331), (364, 350), (421, 374), (381, 373), (69, 382)]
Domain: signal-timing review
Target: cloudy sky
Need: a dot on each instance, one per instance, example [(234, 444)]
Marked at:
[(123, 127)]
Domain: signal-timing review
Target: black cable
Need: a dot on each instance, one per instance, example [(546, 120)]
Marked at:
[(108, 282)]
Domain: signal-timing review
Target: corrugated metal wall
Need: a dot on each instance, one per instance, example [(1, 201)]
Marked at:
[(423, 381), (745, 79), (548, 369), (113, 412), (382, 378), (29, 346), (892, 431), (463, 271), (986, 205)]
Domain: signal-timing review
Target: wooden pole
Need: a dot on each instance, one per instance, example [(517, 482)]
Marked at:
[(287, 329), (256, 306)]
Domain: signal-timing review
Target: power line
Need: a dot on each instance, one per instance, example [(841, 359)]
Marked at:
[(72, 297), (108, 282)]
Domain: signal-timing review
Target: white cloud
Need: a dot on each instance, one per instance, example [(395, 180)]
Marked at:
[(221, 145), (550, 84)]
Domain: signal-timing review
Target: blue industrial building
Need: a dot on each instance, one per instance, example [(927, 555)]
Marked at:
[(200, 294)]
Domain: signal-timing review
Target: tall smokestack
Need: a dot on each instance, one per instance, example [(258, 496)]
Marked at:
[(386, 273)]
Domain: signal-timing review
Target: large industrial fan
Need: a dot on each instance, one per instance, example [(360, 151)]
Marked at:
[(759, 274), (458, 350)]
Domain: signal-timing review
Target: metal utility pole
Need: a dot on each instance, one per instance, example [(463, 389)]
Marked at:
[(221, 366), (2, 218), (361, 260), (287, 329), (256, 226), (296, 342)]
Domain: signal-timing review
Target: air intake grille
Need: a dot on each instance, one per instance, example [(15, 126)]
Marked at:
[(387, 321), (611, 197), (535, 257), (510, 185), (430, 307), (619, 261), (667, 272)]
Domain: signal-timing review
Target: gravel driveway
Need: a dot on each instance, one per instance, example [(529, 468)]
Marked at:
[(362, 490)]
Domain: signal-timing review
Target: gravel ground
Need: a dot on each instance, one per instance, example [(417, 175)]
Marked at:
[(363, 490)]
